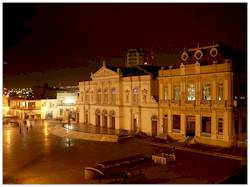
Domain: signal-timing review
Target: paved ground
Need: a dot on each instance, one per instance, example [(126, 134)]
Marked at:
[(37, 157)]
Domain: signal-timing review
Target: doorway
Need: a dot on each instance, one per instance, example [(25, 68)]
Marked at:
[(190, 126), (165, 124), (154, 125)]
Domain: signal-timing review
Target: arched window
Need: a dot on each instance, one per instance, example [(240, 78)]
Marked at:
[(105, 118), (105, 96), (81, 96), (127, 96), (97, 117), (113, 96), (99, 96), (177, 93), (135, 95), (92, 96), (144, 95), (87, 96), (154, 118), (112, 119), (191, 92)]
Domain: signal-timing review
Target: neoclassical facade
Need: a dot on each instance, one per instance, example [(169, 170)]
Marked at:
[(197, 98), (121, 98)]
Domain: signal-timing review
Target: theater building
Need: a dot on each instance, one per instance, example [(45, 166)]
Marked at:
[(200, 97), (121, 98)]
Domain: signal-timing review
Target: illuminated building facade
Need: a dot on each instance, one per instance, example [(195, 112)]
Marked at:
[(49, 109), (66, 105), (199, 97), (24, 109), (5, 106), (121, 98)]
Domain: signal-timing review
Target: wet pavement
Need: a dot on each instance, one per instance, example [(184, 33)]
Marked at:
[(88, 128), (35, 156)]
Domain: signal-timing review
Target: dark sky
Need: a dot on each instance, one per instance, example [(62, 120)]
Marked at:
[(62, 43)]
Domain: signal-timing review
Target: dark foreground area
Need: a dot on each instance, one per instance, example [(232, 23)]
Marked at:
[(35, 156)]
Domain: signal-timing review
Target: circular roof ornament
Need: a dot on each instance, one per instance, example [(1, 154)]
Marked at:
[(198, 54), (184, 56), (213, 52)]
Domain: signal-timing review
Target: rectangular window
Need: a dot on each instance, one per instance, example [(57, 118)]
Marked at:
[(206, 125), (191, 92), (176, 122), (220, 92), (177, 93), (220, 126), (165, 93), (206, 92)]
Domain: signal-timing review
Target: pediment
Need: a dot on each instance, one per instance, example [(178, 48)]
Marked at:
[(104, 72)]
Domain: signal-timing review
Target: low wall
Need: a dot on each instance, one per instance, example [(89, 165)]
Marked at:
[(62, 132)]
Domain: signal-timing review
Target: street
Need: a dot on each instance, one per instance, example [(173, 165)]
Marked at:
[(35, 156)]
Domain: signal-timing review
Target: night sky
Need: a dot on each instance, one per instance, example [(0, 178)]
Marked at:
[(61, 43)]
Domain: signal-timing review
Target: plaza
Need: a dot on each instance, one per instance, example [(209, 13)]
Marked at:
[(38, 157)]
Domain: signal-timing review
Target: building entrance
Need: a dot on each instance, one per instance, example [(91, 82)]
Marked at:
[(154, 125), (165, 124), (134, 124), (190, 126)]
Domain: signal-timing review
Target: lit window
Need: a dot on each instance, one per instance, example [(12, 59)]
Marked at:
[(165, 93), (191, 92), (135, 95), (220, 92), (206, 92)]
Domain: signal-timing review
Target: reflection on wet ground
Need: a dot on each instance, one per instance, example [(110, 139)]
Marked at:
[(34, 156), (88, 128)]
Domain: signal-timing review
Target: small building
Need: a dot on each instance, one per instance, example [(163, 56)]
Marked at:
[(24, 109)]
